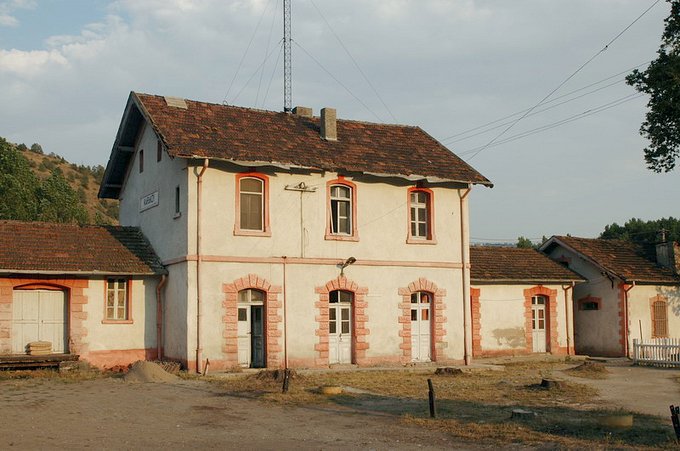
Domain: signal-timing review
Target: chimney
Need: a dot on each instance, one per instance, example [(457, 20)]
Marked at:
[(302, 111), (329, 130), (668, 256)]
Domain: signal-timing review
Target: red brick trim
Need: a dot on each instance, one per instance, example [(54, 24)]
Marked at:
[(431, 238), (653, 300), (266, 230), (359, 321), (552, 345), (75, 298), (354, 224), (623, 290), (475, 308), (437, 323), (273, 318), (587, 299)]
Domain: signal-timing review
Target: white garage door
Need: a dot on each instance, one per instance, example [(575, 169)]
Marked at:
[(39, 315)]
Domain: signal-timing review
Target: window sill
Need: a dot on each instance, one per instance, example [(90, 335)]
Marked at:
[(117, 321), (331, 237), (266, 233), (410, 240)]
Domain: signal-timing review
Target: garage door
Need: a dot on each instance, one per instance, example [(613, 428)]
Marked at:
[(39, 315)]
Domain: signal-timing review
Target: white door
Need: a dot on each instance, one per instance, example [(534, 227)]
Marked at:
[(340, 327), (250, 329), (39, 315), (538, 321), (421, 343)]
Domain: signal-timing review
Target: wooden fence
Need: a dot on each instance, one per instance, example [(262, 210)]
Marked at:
[(657, 352)]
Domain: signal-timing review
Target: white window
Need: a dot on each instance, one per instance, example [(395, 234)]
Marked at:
[(251, 198), (420, 215), (341, 210), (117, 307)]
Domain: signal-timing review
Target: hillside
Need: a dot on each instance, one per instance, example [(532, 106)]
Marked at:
[(84, 180)]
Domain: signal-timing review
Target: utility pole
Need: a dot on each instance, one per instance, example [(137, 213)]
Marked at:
[(287, 71)]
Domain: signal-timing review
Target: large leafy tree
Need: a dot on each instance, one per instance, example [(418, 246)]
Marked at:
[(58, 202), (661, 81), (644, 232), (18, 185)]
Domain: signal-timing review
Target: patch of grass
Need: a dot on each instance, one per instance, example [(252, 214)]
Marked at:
[(73, 375), (470, 406)]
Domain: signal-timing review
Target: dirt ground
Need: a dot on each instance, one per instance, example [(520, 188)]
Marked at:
[(112, 414), (104, 413)]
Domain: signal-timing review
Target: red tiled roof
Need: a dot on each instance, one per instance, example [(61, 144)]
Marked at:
[(511, 264), (628, 261), (73, 249), (206, 130)]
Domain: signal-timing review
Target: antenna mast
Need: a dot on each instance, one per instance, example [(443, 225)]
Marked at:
[(287, 82)]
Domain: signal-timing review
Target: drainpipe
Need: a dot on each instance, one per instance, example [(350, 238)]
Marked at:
[(285, 319), (465, 260), (625, 317), (567, 319), (199, 307), (159, 317)]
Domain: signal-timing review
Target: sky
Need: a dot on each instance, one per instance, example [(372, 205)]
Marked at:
[(571, 166)]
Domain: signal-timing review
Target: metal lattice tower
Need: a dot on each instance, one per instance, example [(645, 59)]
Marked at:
[(287, 71)]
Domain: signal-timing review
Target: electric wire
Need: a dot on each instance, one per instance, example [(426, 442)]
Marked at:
[(555, 99), (482, 148), (269, 41), (543, 128), (253, 75), (243, 57), (271, 78), (368, 81), (338, 81)]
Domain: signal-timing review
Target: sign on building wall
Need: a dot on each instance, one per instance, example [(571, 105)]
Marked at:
[(148, 201)]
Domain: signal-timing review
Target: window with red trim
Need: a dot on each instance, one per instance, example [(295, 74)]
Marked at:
[(659, 317), (342, 210), (420, 228), (252, 216)]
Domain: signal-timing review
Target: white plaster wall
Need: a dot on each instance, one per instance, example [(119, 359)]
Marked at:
[(140, 334), (165, 231), (596, 332), (383, 305), (640, 312), (382, 220)]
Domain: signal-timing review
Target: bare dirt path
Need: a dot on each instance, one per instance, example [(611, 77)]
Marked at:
[(109, 413), (640, 389)]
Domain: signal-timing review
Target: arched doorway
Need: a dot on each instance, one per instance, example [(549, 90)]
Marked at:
[(39, 315), (340, 326), (421, 328), (251, 330), (538, 323)]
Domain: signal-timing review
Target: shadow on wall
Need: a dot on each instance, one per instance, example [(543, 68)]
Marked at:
[(672, 295), (512, 337)]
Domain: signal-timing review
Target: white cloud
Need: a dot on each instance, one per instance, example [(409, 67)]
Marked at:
[(30, 62), (7, 7)]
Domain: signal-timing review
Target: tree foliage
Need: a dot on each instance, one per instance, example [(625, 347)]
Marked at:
[(524, 243), (661, 81), (643, 232), (26, 198), (18, 185)]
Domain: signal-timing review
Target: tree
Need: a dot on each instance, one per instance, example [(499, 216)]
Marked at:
[(58, 202), (661, 81), (524, 243), (18, 185), (36, 148), (644, 232)]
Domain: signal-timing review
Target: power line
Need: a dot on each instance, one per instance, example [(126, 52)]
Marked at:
[(243, 57), (564, 82), (354, 61), (271, 78), (545, 103), (338, 81), (253, 75), (266, 51), (543, 128)]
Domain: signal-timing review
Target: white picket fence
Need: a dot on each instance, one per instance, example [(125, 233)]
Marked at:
[(657, 352)]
